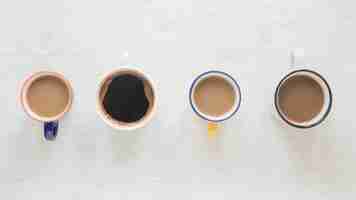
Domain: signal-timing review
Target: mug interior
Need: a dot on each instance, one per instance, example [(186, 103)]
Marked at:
[(326, 94), (25, 95), (149, 92), (231, 81)]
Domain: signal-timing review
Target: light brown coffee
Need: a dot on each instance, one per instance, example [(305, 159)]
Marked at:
[(301, 98), (214, 96), (48, 96)]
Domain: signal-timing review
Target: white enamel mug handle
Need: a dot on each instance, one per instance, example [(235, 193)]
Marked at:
[(295, 56)]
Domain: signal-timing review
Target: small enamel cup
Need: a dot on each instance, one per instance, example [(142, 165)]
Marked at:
[(213, 121), (326, 108), (150, 93), (50, 123)]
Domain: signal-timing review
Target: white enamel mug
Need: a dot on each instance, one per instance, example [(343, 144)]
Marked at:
[(213, 121)]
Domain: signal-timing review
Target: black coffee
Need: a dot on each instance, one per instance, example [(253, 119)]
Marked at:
[(125, 99)]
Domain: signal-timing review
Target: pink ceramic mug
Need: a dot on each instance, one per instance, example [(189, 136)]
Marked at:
[(149, 92), (50, 122)]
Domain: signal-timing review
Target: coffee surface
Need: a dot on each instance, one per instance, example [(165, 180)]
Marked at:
[(125, 99), (48, 96), (214, 96), (301, 98)]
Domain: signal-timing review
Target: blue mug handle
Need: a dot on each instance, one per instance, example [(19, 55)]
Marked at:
[(50, 130)]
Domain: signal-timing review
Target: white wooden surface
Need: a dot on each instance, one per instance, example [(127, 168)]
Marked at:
[(254, 157)]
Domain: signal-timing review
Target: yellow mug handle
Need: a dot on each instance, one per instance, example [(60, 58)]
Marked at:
[(212, 129)]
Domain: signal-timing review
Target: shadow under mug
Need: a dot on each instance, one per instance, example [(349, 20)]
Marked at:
[(327, 94), (50, 123), (213, 121), (150, 93)]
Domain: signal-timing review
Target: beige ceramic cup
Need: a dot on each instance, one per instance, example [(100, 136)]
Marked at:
[(50, 123), (149, 92)]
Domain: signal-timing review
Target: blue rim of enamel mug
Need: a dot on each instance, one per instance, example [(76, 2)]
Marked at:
[(326, 112), (214, 72)]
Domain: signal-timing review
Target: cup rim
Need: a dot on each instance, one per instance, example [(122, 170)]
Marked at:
[(221, 73), (325, 115), (26, 83), (103, 115)]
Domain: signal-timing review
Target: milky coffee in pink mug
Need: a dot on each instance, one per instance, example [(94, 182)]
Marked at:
[(46, 96)]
